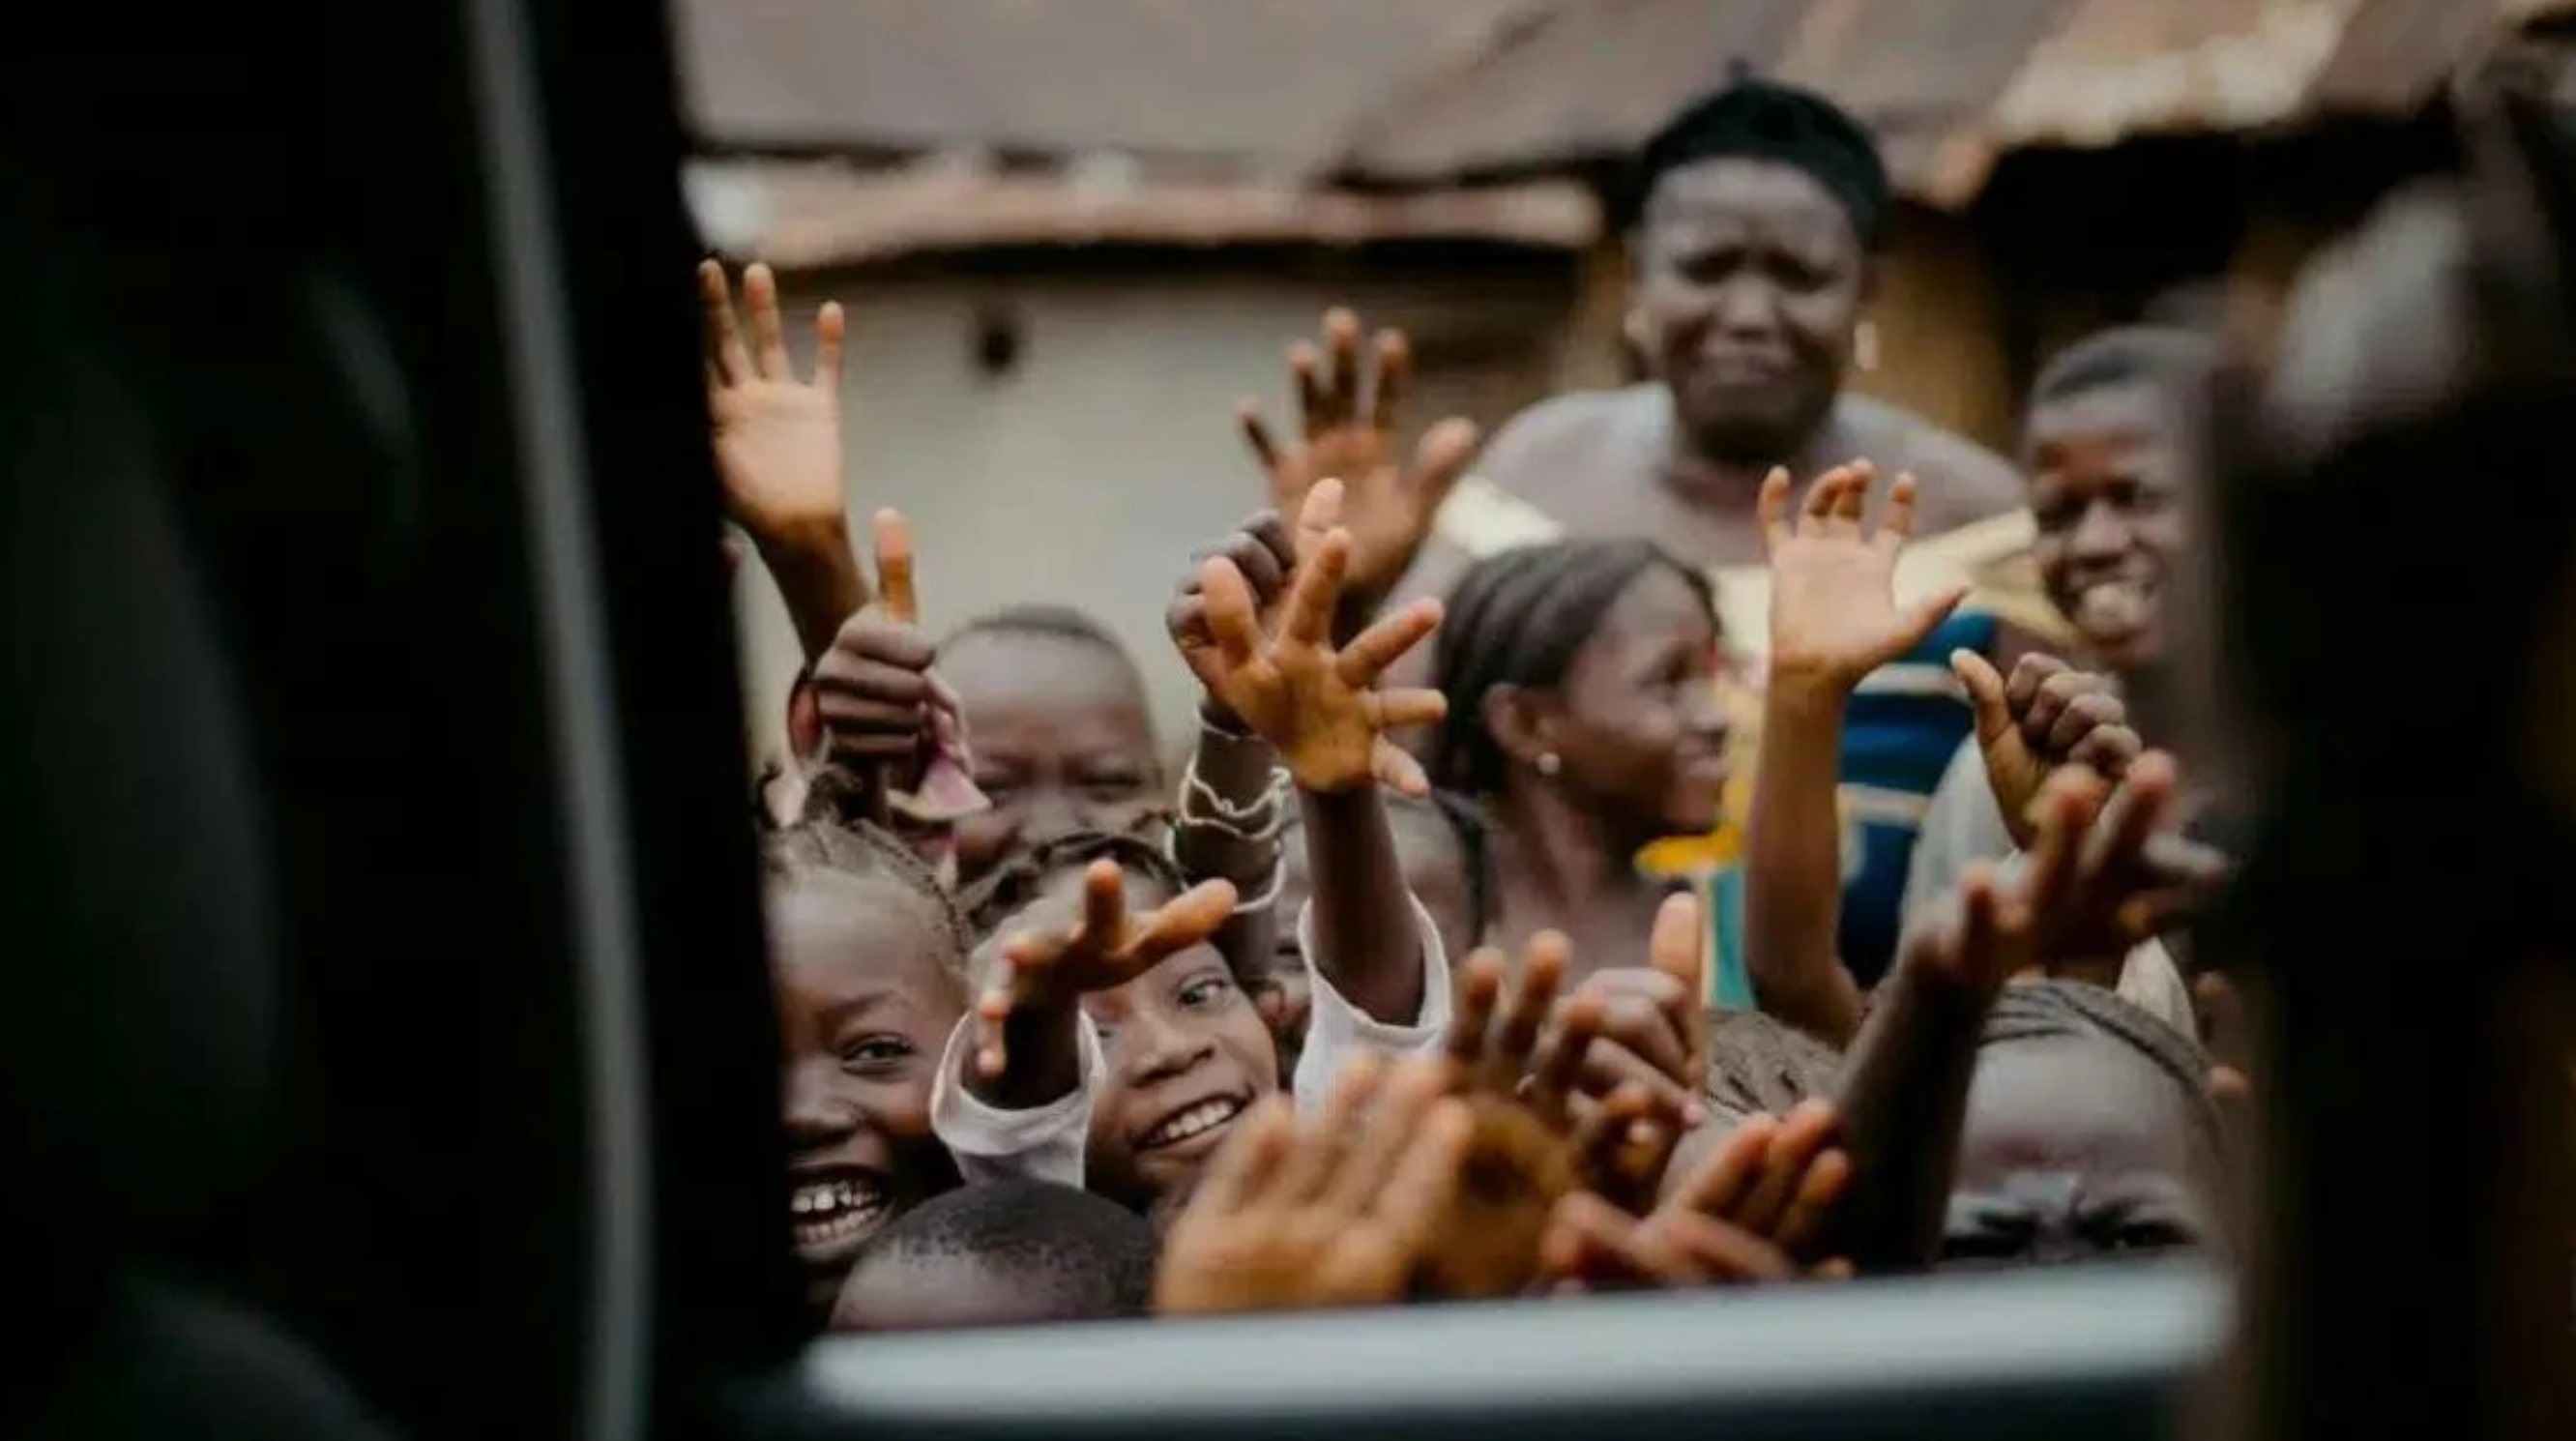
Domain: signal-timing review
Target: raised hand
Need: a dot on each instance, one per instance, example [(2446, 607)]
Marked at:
[(2101, 877), (1104, 947), (1350, 413), (1516, 1042), (2048, 714), (1653, 1028), (778, 438), (1778, 1180), (1746, 1215), (1264, 554), (1834, 614), (1314, 702), (1340, 1210), (873, 690)]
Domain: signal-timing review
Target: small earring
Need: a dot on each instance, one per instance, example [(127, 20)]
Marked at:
[(1865, 345), (1548, 764)]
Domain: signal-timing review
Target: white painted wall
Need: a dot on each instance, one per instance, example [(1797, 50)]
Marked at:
[(1088, 475)]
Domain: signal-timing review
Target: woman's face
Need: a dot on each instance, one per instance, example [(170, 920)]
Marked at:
[(2077, 1149), (1063, 740), (1640, 731), (865, 1006), (1750, 281)]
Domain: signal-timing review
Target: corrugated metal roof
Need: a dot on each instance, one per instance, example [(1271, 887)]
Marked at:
[(1249, 85), (1948, 84)]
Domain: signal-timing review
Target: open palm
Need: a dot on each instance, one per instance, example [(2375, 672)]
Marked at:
[(1833, 601), (1350, 412), (777, 438), (1314, 702)]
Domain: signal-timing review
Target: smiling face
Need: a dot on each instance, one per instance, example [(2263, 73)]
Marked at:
[(1187, 1052), (1750, 282), (1639, 726), (2106, 487), (2076, 1149), (865, 1007), (1063, 739)]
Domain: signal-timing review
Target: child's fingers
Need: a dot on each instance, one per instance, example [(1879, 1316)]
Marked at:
[(1898, 523), (1803, 1135), (1104, 906), (1590, 1240), (1256, 434), (1187, 920), (2132, 816), (1712, 1251), (1311, 1168), (768, 330), (1728, 1174), (1385, 642), (1375, 1141), (2108, 750), (894, 568), (727, 362), (1440, 460), (1985, 692), (1622, 1141), (1828, 1176), (992, 1014), (1306, 375), (1419, 1196), (1233, 621), (1317, 516), (1678, 946), (1609, 1066), (1342, 373), (1390, 376), (1471, 1016), (1525, 1012), (2067, 803), (2083, 714), (1402, 709), (1821, 495), (1557, 1068), (1853, 496), (1315, 592), (1396, 769), (1772, 507), (831, 326), (1244, 1167), (2029, 675)]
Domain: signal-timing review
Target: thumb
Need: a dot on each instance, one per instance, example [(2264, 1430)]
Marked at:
[(1985, 692)]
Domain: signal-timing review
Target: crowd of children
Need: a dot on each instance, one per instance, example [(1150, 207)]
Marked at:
[(1444, 967)]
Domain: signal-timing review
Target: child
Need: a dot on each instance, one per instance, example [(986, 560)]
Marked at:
[(1170, 1049), (1063, 729), (2112, 427), (868, 959), (1012, 1252)]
